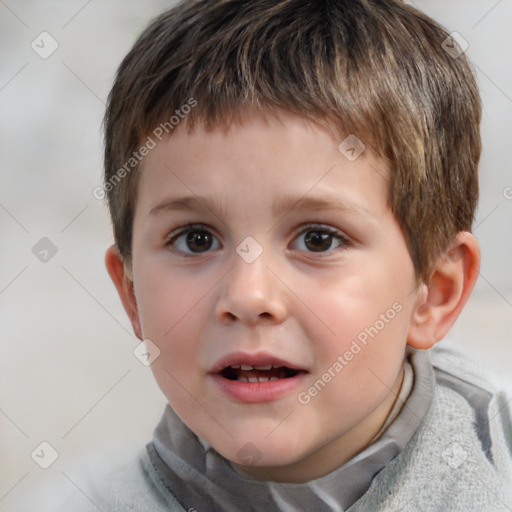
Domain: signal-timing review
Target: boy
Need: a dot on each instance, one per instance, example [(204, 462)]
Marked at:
[(292, 186)]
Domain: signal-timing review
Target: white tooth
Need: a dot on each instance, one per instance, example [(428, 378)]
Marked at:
[(274, 378), (252, 379), (235, 366), (247, 367), (266, 367), (243, 379), (263, 379)]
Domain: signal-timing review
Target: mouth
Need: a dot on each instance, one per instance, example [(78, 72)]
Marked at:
[(256, 378), (260, 373)]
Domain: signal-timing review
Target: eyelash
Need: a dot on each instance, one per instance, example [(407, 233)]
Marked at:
[(344, 242), (191, 228)]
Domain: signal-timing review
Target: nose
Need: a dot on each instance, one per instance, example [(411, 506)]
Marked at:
[(252, 293)]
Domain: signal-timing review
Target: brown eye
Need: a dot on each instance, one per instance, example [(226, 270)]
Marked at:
[(193, 240), (318, 241), (199, 241)]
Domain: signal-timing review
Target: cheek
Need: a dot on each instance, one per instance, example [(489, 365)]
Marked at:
[(172, 312), (360, 364), (357, 308), (164, 298), (364, 321), (174, 325)]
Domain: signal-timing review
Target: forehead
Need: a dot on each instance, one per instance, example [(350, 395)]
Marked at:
[(273, 159)]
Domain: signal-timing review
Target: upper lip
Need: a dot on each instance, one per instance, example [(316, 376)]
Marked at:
[(257, 359)]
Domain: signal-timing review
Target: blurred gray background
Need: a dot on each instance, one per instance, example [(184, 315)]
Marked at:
[(68, 376)]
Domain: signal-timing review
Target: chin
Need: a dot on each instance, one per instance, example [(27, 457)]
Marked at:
[(259, 451)]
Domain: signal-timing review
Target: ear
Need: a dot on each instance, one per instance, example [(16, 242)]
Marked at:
[(122, 279), (441, 300)]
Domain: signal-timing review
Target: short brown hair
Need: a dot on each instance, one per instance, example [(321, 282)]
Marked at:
[(378, 69)]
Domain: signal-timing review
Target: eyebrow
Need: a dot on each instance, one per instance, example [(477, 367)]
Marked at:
[(187, 203), (281, 206), (284, 204)]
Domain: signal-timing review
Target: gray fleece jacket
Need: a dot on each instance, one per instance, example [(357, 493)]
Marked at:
[(458, 458)]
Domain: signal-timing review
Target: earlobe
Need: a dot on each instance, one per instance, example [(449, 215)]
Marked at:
[(123, 282), (441, 300)]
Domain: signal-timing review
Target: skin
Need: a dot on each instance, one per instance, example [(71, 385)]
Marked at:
[(302, 305)]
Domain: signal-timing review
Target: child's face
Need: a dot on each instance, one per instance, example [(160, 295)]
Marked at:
[(334, 262)]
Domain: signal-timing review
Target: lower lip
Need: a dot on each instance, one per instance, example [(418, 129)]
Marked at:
[(257, 392)]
